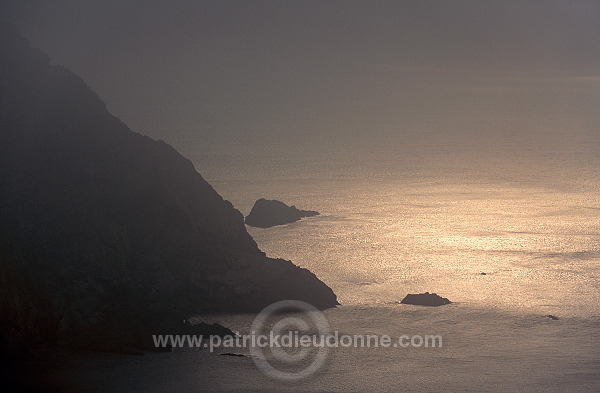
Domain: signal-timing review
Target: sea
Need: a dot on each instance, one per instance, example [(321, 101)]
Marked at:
[(505, 225)]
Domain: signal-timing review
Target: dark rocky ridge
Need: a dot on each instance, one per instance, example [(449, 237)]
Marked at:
[(268, 213), (103, 230)]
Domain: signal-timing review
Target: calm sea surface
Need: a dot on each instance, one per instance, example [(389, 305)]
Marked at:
[(405, 215)]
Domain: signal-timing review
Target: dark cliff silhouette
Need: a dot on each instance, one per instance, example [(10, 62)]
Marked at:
[(103, 230), (268, 213)]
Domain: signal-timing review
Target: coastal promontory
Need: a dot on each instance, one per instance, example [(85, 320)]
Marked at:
[(104, 230)]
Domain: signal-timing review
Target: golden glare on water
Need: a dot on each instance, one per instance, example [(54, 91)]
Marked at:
[(532, 250)]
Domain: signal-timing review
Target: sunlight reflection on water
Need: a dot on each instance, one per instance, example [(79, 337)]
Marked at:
[(442, 240)]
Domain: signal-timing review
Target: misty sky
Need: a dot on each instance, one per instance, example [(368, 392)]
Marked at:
[(314, 67)]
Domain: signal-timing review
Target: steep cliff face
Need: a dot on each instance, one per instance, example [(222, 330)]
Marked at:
[(102, 228)]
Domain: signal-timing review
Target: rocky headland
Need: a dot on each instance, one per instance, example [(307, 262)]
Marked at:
[(105, 234)]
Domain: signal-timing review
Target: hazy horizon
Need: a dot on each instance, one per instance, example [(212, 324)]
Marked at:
[(324, 72)]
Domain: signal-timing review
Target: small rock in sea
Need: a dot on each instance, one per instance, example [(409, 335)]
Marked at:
[(268, 213), (206, 329), (425, 299), (239, 355), (553, 317)]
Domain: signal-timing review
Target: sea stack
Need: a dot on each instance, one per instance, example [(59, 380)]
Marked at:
[(425, 299), (268, 213)]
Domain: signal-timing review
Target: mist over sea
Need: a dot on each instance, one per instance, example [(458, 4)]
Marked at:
[(450, 147)]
